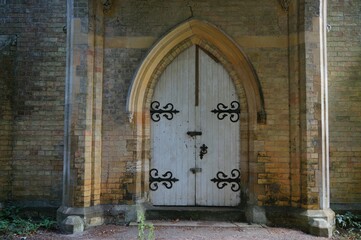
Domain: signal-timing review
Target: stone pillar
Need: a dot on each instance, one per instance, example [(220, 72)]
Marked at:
[(83, 112), (313, 118)]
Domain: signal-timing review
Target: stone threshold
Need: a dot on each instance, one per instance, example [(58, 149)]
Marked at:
[(226, 214), (216, 224)]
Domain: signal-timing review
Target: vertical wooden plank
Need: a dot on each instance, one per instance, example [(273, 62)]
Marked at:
[(172, 150), (221, 136)]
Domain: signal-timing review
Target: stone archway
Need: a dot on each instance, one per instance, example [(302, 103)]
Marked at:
[(213, 40)]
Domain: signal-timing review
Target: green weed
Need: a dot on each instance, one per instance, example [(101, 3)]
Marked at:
[(143, 227), (12, 224), (348, 226)]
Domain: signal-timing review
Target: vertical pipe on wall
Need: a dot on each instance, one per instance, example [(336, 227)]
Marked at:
[(325, 193), (68, 106)]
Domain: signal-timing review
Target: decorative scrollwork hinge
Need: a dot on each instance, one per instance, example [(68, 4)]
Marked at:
[(222, 180), (168, 111), (223, 111), (167, 179)]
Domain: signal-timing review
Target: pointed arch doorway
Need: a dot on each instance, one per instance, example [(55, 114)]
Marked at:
[(195, 134), (215, 46)]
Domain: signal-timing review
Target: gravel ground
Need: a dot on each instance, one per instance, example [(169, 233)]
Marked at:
[(181, 232)]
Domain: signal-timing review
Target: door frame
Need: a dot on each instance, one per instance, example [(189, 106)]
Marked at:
[(242, 73), (192, 84)]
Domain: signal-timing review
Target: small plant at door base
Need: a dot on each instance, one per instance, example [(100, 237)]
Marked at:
[(12, 224), (143, 227), (348, 225)]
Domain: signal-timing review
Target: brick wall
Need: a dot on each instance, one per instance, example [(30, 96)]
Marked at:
[(118, 166), (344, 63), (130, 28), (7, 68), (38, 98)]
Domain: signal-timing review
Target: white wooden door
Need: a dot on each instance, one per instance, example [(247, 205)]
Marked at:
[(172, 150), (195, 134), (220, 133)]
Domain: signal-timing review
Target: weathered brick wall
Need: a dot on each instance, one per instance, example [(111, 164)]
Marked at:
[(38, 98), (131, 27), (295, 101), (344, 63), (118, 166), (7, 68)]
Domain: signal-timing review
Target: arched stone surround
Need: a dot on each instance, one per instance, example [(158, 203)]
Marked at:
[(218, 44)]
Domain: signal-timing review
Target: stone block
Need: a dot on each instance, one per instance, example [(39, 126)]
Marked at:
[(256, 214), (320, 222), (96, 221), (72, 224), (320, 227)]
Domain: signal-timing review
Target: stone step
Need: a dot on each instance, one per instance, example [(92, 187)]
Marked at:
[(196, 213)]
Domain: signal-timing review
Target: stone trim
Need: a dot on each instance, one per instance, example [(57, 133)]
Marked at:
[(83, 121), (325, 168)]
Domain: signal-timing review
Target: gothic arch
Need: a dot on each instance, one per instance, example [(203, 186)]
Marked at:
[(226, 51), (197, 31)]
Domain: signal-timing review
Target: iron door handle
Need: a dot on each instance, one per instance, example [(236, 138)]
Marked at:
[(195, 170), (194, 133), (203, 151)]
